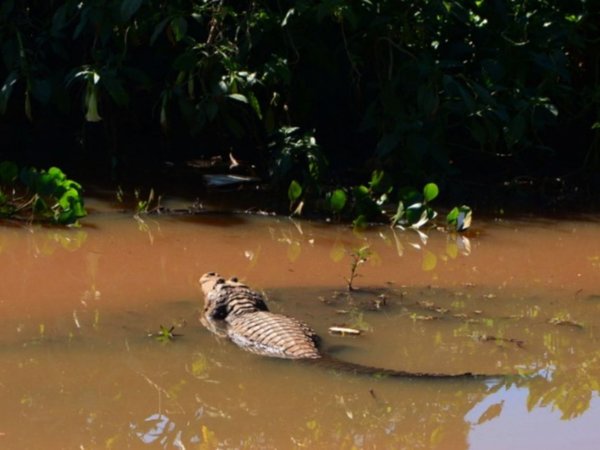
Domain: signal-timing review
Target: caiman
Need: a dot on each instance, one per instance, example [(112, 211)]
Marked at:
[(235, 311)]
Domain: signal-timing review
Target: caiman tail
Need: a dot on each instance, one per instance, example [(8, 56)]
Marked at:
[(331, 363)]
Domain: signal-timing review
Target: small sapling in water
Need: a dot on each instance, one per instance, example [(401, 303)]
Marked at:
[(359, 256)]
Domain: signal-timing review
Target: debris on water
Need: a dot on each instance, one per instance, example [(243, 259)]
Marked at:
[(344, 331), (487, 338), (380, 301), (415, 316), (429, 305), (565, 321)]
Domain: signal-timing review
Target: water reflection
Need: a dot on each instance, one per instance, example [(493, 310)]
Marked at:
[(77, 306), (508, 413)]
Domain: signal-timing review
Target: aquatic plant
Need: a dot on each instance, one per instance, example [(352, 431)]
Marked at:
[(358, 257), (39, 195), (164, 334)]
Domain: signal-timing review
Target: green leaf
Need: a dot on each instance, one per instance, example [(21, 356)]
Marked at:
[(238, 97), (179, 28), (337, 200), (430, 192), (294, 191), (70, 196), (452, 216), (57, 174), (399, 214), (459, 218)]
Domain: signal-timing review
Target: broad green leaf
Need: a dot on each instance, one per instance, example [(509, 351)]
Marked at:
[(57, 174), (337, 201), (430, 192), (452, 216), (294, 191)]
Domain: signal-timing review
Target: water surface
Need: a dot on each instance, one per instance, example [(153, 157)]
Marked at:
[(79, 370)]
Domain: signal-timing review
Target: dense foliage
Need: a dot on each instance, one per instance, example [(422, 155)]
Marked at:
[(46, 196), (489, 92)]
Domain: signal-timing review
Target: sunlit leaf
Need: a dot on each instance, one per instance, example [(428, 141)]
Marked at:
[(294, 191), (423, 219), (298, 209), (430, 192), (337, 200), (238, 97)]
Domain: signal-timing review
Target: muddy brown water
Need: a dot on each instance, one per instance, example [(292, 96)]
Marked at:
[(78, 369)]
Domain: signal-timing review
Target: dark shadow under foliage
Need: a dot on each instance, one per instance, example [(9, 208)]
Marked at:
[(483, 97)]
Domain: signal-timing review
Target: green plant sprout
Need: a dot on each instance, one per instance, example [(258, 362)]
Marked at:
[(164, 334), (359, 256), (146, 206)]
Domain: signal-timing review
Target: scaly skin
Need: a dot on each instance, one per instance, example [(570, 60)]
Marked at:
[(235, 311)]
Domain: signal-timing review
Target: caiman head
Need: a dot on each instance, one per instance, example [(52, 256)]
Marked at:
[(223, 298), (213, 287), (209, 280), (212, 280)]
